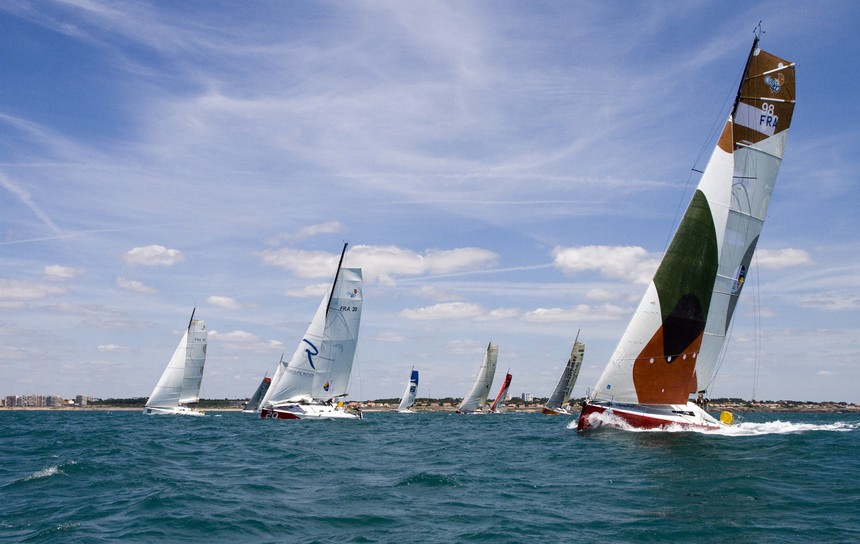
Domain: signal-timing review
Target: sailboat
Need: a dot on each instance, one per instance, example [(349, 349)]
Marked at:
[(476, 398), (671, 348), (253, 404), (408, 398), (180, 383), (501, 396), (309, 384), (558, 401)]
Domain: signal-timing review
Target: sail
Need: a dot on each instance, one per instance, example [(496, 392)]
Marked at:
[(322, 363), (561, 394), (671, 345), (502, 392), (334, 364), (256, 399), (477, 395), (180, 382), (273, 386), (408, 398)]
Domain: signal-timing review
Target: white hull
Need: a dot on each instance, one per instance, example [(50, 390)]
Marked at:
[(407, 411), (173, 411), (645, 416), (309, 411)]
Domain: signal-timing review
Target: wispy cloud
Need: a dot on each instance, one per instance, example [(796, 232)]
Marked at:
[(625, 263), (25, 290), (387, 337), (83, 309), (305, 232), (136, 286), (61, 273), (776, 259), (224, 302), (316, 290), (583, 313)]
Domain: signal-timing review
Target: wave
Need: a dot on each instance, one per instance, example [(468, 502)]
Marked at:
[(744, 428)]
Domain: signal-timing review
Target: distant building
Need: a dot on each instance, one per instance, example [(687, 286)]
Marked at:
[(54, 400), (81, 401), (34, 401), (14, 400), (528, 397)]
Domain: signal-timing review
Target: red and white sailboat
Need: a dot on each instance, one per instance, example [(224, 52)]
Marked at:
[(671, 347), (501, 396)]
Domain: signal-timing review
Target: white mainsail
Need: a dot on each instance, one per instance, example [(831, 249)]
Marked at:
[(322, 364), (477, 395), (561, 394), (181, 380), (408, 397), (671, 347)]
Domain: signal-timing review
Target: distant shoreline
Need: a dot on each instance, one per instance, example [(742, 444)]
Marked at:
[(846, 409)]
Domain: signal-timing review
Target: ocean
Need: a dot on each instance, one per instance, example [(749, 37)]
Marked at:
[(120, 476)]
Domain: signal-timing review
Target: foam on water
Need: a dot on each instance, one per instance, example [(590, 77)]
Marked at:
[(744, 428)]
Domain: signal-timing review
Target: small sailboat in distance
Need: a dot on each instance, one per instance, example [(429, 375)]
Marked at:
[(671, 348), (501, 396), (408, 398), (558, 401), (180, 383), (476, 398), (308, 386), (253, 404)]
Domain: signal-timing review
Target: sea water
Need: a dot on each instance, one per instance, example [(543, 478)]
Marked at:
[(99, 476)]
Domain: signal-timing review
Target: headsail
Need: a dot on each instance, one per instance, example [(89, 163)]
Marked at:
[(477, 395), (256, 399), (686, 310), (561, 394), (408, 398)]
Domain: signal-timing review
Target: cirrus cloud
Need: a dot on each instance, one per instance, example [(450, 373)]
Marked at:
[(134, 285), (582, 312), (25, 290), (153, 255), (224, 302)]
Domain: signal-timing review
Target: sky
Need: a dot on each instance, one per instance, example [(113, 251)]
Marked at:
[(506, 172)]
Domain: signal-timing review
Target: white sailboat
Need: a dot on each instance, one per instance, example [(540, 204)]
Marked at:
[(408, 398), (557, 404), (308, 386), (671, 347), (253, 404), (180, 383), (497, 406), (476, 398)]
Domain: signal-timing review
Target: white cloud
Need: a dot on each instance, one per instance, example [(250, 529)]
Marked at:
[(465, 346), (244, 342), (305, 232), (316, 290), (61, 273), (133, 285), (82, 309), (583, 312), (130, 324), (224, 302), (12, 305), (113, 347), (153, 256), (235, 336), (826, 373), (602, 294), (25, 290), (499, 313), (831, 301), (388, 337), (775, 259), (625, 263), (380, 263), (446, 311)]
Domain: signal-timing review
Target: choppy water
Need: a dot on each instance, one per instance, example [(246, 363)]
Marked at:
[(431, 477)]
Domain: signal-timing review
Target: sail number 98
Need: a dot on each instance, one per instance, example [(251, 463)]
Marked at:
[(767, 108)]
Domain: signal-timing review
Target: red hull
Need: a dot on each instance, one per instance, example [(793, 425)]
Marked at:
[(634, 419), (274, 414)]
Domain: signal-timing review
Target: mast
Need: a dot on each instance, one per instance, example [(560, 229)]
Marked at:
[(335, 277), (746, 72)]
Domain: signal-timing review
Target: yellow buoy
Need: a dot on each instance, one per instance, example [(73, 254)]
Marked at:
[(726, 418)]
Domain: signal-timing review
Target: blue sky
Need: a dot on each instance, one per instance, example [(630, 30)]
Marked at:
[(503, 171)]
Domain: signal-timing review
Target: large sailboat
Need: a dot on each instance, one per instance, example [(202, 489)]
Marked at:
[(180, 383), (500, 398), (408, 398), (309, 385), (671, 348), (253, 404), (476, 398), (560, 397)]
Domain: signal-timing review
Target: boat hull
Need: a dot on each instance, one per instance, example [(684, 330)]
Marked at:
[(171, 411), (556, 411), (309, 411), (645, 416)]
